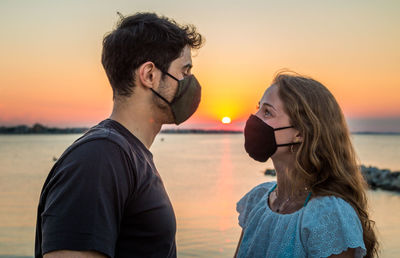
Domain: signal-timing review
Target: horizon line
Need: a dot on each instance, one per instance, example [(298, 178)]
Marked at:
[(41, 129)]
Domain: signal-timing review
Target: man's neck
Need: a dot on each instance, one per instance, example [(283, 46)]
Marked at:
[(138, 119)]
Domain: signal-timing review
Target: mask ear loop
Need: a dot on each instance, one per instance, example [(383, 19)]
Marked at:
[(281, 128), (158, 94), (286, 144), (170, 75)]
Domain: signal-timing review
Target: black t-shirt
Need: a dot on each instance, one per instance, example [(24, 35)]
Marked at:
[(105, 194)]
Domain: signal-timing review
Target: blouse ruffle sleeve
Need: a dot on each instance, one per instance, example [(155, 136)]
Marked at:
[(330, 226), (249, 200)]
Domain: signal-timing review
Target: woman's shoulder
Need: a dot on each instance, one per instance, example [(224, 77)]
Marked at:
[(257, 192), (265, 186), (252, 199), (261, 189), (331, 225), (329, 204), (330, 213)]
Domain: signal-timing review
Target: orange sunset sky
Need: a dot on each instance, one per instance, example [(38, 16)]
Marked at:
[(50, 70)]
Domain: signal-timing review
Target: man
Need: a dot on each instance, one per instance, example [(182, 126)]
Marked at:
[(104, 196)]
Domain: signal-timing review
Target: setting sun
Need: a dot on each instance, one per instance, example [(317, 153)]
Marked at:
[(226, 120)]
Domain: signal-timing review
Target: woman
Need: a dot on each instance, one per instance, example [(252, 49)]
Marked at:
[(318, 206)]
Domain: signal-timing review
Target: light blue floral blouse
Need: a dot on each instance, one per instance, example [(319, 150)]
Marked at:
[(325, 226)]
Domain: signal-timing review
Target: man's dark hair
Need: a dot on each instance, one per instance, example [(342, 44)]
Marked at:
[(140, 38)]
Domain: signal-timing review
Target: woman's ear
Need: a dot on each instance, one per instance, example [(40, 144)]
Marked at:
[(147, 74), (298, 137)]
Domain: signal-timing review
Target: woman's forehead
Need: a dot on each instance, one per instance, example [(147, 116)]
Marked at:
[(271, 96)]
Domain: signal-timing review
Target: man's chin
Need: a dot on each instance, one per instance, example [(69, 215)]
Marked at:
[(167, 118), (169, 121)]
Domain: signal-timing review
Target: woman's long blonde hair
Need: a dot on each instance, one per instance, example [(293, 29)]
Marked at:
[(326, 160)]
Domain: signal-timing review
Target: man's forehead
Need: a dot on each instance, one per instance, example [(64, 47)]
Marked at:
[(186, 56), (184, 60), (182, 63)]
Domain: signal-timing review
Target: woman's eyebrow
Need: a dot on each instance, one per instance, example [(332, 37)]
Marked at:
[(267, 104)]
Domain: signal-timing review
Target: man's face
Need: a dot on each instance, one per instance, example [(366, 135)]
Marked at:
[(179, 68)]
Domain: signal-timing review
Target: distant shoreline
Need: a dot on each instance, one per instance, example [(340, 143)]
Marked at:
[(377, 133), (384, 179), (41, 129)]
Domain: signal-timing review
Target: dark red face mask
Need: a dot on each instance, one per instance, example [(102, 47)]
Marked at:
[(259, 139)]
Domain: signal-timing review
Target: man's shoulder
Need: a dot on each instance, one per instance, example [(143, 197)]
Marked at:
[(90, 159), (101, 148), (98, 146), (102, 134), (114, 132), (99, 139)]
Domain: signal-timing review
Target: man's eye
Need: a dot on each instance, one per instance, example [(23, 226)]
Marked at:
[(267, 113), (186, 72)]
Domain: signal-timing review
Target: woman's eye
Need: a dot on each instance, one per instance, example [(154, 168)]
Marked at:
[(267, 113)]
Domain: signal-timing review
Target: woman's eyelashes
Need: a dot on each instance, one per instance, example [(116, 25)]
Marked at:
[(267, 113), (264, 110)]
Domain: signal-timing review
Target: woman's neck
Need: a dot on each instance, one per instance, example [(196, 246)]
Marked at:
[(286, 186)]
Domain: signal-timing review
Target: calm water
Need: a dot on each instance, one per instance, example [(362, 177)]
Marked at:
[(205, 175)]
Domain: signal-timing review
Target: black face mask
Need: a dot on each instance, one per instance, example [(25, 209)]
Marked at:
[(260, 141), (186, 99)]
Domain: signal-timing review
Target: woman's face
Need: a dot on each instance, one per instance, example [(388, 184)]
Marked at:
[(271, 111)]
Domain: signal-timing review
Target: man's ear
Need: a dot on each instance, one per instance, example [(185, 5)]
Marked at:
[(147, 74)]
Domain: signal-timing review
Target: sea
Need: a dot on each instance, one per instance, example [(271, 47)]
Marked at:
[(204, 174)]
